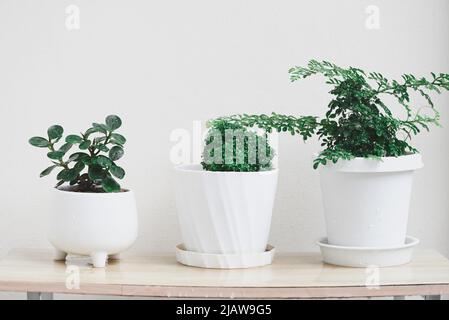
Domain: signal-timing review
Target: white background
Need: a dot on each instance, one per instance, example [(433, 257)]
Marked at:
[(162, 64)]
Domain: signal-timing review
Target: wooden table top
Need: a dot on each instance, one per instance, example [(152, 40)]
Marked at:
[(301, 275)]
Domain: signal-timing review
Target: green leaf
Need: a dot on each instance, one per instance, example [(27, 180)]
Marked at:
[(101, 147), (55, 132), (67, 175), (73, 139), (96, 172), (55, 155), (100, 127), (39, 142), (65, 147), (91, 130), (79, 166), (85, 144), (117, 171), (110, 185), (78, 156), (113, 122), (60, 183), (118, 138), (116, 153), (102, 161), (47, 171)]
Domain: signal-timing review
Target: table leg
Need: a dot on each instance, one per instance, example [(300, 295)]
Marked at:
[(39, 296), (432, 297)]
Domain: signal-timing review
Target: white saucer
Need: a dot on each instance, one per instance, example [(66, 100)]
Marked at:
[(367, 256), (224, 261)]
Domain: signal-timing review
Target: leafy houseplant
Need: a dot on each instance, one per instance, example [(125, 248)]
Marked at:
[(367, 166), (360, 124), (225, 203), (303, 126), (93, 168), (93, 215)]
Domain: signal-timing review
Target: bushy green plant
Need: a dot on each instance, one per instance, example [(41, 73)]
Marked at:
[(224, 152), (358, 123), (93, 168), (252, 140)]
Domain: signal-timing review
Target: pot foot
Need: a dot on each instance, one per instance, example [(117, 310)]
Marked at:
[(59, 255), (114, 256), (99, 259)]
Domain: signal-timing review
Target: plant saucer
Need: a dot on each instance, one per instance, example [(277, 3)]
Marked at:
[(361, 257), (224, 261)]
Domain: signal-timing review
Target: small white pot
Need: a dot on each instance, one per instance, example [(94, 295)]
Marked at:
[(94, 224), (366, 201), (225, 212)]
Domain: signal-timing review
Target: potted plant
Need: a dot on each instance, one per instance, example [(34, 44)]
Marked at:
[(225, 203), (367, 165), (92, 215)]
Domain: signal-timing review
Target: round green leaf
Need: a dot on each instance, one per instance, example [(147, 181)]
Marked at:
[(102, 161), (79, 166), (55, 132), (47, 171), (118, 138), (90, 131), (77, 156), (73, 138), (96, 172), (65, 147), (117, 171), (39, 142), (100, 127), (116, 153), (85, 144), (113, 122), (101, 147), (55, 155), (110, 185), (67, 175)]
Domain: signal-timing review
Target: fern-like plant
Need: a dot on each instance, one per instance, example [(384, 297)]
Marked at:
[(94, 167), (360, 124)]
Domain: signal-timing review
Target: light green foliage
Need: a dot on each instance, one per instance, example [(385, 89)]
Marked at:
[(87, 170)]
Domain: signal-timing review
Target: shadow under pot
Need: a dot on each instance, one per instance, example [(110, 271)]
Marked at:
[(99, 225), (224, 217), (366, 201)]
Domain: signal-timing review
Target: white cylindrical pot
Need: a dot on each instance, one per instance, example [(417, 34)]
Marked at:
[(94, 224), (225, 212), (366, 201)]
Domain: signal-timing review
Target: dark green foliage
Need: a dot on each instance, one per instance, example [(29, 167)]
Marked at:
[(100, 169), (237, 148), (304, 126), (358, 123)]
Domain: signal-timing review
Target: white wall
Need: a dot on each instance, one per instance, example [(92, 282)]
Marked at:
[(162, 64)]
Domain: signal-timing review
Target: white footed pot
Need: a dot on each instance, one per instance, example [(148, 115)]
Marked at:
[(225, 212), (366, 201), (93, 224)]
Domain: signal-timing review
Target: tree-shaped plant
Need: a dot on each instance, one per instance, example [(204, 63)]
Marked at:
[(93, 168)]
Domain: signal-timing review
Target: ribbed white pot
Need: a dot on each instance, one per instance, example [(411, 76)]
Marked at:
[(94, 224), (366, 201), (225, 212)]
